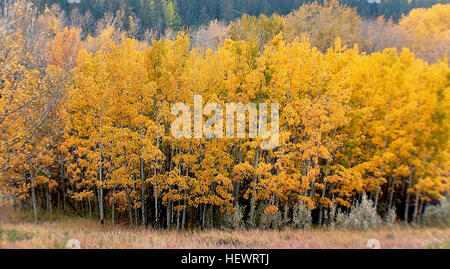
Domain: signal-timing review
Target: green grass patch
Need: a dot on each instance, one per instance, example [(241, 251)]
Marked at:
[(14, 235), (437, 245)]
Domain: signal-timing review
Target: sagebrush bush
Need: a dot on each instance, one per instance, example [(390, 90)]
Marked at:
[(361, 216), (286, 218), (437, 214), (209, 218), (330, 217), (273, 220), (390, 217), (339, 221), (251, 220), (234, 220), (301, 217)]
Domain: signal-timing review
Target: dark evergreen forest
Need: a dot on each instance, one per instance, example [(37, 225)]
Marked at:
[(175, 14)]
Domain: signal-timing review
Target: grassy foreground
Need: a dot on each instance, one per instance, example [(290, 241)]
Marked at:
[(17, 231)]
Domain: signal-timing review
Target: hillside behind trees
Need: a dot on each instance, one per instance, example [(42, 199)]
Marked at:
[(176, 14)]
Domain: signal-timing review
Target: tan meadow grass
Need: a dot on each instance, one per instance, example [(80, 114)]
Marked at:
[(17, 231)]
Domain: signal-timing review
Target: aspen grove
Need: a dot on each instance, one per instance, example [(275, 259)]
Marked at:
[(85, 126)]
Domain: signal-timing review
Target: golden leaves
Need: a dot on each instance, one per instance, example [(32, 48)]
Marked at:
[(349, 121)]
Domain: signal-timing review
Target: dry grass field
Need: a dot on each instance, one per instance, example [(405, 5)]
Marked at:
[(17, 231)]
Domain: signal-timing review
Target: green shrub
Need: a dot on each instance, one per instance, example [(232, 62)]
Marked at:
[(362, 216), (14, 235), (390, 217), (270, 221), (437, 215), (234, 220), (301, 217)]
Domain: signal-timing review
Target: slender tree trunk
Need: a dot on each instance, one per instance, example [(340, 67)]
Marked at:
[(136, 211), (236, 195), (143, 209), (100, 205), (425, 156), (237, 183), (156, 195), (184, 200), (168, 214), (49, 200), (411, 171), (211, 219), (90, 208), (416, 204), (130, 214), (63, 190), (421, 209), (130, 208), (60, 186), (33, 194), (44, 203), (100, 196), (312, 186), (113, 208), (391, 193), (59, 201), (169, 202), (184, 215), (377, 193), (255, 178), (321, 205), (203, 216), (376, 196), (171, 213), (178, 220)]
